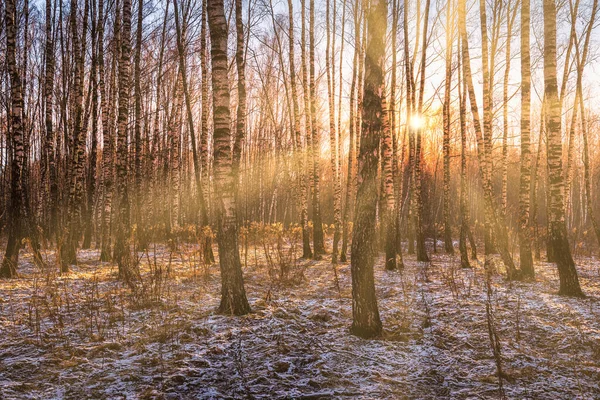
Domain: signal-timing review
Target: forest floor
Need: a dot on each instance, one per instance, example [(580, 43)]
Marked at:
[(84, 335)]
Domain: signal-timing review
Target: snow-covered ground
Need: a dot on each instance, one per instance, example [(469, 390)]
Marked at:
[(84, 335)]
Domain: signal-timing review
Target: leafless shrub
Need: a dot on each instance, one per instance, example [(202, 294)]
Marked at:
[(493, 334)]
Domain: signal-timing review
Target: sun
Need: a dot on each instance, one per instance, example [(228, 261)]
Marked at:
[(416, 121)]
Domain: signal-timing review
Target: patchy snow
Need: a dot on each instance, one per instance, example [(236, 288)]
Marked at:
[(84, 335)]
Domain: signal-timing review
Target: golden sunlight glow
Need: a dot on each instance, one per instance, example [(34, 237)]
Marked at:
[(417, 121)]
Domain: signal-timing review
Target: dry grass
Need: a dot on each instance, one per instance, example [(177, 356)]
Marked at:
[(86, 335)]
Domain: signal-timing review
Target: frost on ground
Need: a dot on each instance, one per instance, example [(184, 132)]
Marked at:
[(85, 335)]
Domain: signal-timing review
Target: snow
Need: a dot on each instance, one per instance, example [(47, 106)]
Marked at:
[(84, 335)]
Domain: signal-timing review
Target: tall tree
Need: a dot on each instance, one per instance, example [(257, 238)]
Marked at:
[(464, 213), (49, 176), (318, 237), (499, 229), (71, 236), (410, 109), (388, 212), (302, 178), (394, 118), (206, 242), (447, 126), (306, 250), (240, 126), (93, 153), (525, 178), (333, 134), (122, 253), (574, 9), (511, 15), (8, 269), (366, 321), (137, 128), (207, 237), (233, 294), (569, 281), (418, 216), (486, 132), (108, 139), (351, 135), (581, 60)]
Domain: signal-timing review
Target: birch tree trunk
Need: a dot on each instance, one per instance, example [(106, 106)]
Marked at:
[(351, 135), (318, 237), (387, 217), (209, 257), (525, 178), (49, 175), (420, 235), (306, 250), (487, 130), (569, 281), (366, 321), (302, 178), (8, 269), (108, 141), (395, 215), (447, 126), (581, 61), (71, 233), (333, 134), (499, 229), (137, 129), (93, 155), (464, 212), (233, 294), (122, 253)]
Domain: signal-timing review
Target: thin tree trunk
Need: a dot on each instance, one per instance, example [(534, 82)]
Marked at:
[(525, 178), (511, 14), (91, 178), (574, 8), (396, 172), (108, 147), (209, 257), (339, 229), (71, 235), (241, 91), (49, 176), (155, 204), (333, 134), (447, 126), (351, 134), (318, 237), (306, 250), (410, 109), (387, 216), (206, 242), (499, 229), (581, 61), (302, 178), (464, 212), (137, 129), (420, 235), (487, 130), (587, 172)]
